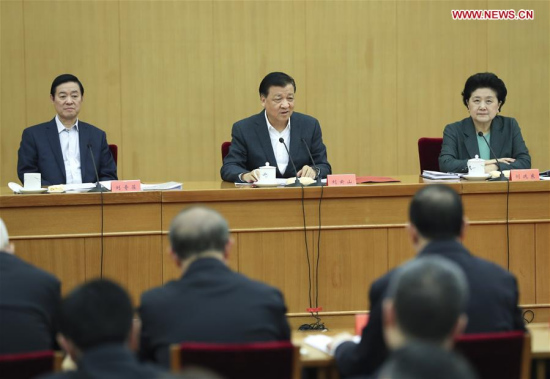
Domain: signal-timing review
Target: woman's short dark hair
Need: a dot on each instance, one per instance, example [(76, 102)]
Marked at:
[(65, 78), (485, 80), (275, 79)]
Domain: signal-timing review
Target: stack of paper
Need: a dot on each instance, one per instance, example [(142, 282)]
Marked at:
[(162, 186), (436, 175)]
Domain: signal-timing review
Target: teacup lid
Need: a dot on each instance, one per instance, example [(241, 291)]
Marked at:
[(476, 159), (267, 165)]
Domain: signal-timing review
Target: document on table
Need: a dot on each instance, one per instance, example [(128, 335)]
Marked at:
[(321, 341)]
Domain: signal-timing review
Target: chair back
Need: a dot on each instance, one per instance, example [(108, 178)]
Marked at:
[(266, 360), (225, 148), (428, 152), (29, 365), (114, 152), (505, 355)]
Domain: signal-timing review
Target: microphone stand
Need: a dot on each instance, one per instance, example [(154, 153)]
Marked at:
[(98, 187), (501, 178), (318, 182), (297, 182)]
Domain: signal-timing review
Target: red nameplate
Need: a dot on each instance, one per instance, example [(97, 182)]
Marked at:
[(524, 175), (311, 310), (341, 180), (125, 185)]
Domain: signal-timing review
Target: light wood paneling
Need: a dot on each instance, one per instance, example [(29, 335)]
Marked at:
[(251, 39), (352, 83), (71, 260), (350, 261), (134, 262), (167, 90), (526, 72), (435, 57), (278, 259), (400, 248), (522, 265), (481, 241), (13, 101), (542, 263)]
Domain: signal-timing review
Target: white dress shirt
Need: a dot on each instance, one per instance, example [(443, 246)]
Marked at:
[(281, 156), (70, 147)]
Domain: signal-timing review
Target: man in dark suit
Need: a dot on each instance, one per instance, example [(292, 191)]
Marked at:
[(256, 139), (98, 333), (436, 227), (60, 149), (29, 298), (210, 302)]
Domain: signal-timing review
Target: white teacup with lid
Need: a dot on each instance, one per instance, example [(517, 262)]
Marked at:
[(267, 173), (476, 166)]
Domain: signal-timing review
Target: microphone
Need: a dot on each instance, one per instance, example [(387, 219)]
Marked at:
[(317, 169), (501, 178), (297, 181), (98, 187)]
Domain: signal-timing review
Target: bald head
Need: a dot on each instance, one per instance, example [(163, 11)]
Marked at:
[(197, 230), (4, 238), (436, 212)]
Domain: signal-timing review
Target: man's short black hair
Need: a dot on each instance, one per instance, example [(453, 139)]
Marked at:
[(197, 230), (65, 78), (429, 294), (436, 212), (275, 79), (96, 313), (422, 360), (485, 80)]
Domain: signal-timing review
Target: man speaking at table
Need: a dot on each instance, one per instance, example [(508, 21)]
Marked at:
[(257, 139), (60, 149)]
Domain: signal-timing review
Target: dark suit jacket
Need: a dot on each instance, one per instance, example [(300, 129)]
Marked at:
[(460, 144), (109, 362), (492, 307), (40, 151), (251, 147), (210, 303), (29, 298)]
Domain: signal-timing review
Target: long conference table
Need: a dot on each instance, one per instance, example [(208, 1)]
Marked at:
[(354, 235)]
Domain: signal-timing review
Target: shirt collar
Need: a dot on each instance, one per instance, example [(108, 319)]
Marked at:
[(270, 127), (61, 127)]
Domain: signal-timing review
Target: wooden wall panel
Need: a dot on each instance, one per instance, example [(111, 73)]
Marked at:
[(481, 241), (400, 247), (166, 79), (251, 39), (519, 53), (350, 261), (13, 101), (522, 265), (167, 90), (542, 263), (134, 262), (351, 82), (435, 57), (50, 255)]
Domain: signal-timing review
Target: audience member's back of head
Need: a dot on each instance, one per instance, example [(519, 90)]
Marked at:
[(197, 230), (426, 361), (4, 237), (436, 212), (429, 295), (98, 312)]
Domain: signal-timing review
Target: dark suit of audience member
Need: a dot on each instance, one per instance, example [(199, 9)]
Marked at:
[(98, 333), (210, 302), (60, 149), (437, 225), (29, 298), (256, 139)]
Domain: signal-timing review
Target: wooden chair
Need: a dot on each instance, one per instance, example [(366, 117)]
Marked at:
[(428, 152), (505, 355), (114, 152), (266, 360), (225, 148), (30, 365)]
